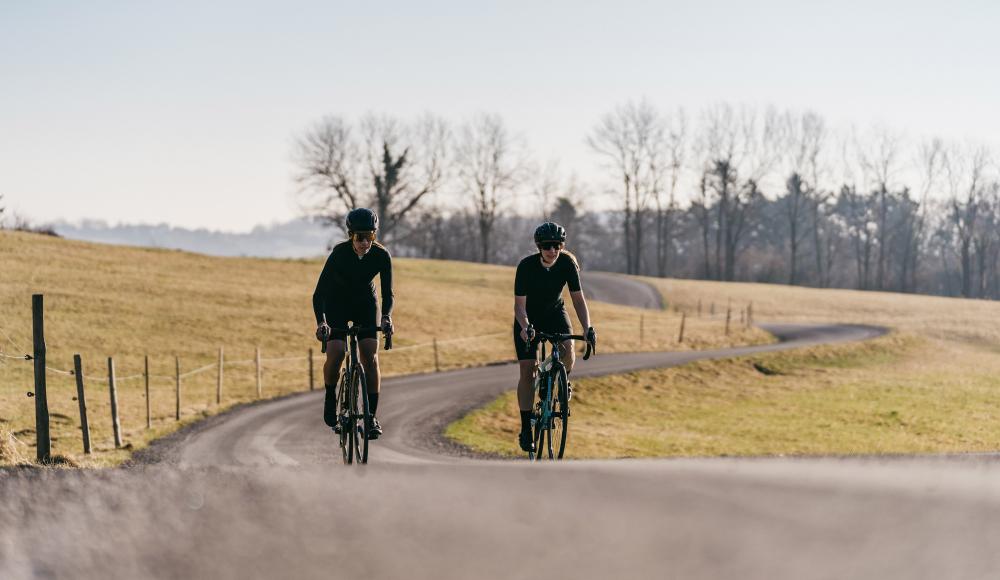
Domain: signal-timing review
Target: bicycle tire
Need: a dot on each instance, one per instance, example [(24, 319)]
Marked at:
[(365, 418), (343, 401), (352, 419), (560, 416), (543, 417)]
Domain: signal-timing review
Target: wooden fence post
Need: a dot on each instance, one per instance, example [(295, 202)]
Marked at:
[(312, 381), (680, 337), (699, 308), (750, 314), (43, 440), (642, 328), (743, 318), (218, 384), (257, 359), (711, 309), (177, 367), (82, 399), (115, 423), (437, 364), (729, 315), (149, 404)]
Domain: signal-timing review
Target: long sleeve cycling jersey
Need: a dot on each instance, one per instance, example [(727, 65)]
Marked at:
[(348, 279)]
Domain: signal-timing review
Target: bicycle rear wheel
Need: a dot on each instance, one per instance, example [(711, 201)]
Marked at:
[(560, 414)]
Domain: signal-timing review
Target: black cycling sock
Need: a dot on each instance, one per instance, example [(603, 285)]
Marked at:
[(372, 402), (525, 421)]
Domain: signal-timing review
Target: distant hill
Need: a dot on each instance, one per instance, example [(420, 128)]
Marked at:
[(300, 238)]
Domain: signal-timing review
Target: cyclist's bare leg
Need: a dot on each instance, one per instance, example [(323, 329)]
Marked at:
[(334, 358), (567, 355), (368, 348), (526, 385)]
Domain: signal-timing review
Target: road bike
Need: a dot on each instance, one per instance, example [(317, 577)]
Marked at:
[(550, 416), (352, 399)]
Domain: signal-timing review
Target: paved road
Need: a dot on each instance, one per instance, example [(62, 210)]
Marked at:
[(618, 289), (260, 493)]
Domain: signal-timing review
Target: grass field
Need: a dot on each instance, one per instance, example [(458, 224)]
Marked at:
[(110, 301), (930, 386)]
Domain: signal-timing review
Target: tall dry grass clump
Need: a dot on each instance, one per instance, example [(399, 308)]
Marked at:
[(12, 450)]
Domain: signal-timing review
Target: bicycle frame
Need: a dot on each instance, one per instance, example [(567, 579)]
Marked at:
[(549, 368), (354, 394)]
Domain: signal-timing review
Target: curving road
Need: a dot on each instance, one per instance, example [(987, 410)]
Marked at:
[(260, 493)]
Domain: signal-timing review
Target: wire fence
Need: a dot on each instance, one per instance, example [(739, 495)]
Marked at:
[(642, 326)]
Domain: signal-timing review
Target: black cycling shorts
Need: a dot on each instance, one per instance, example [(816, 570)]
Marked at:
[(555, 322), (361, 314)]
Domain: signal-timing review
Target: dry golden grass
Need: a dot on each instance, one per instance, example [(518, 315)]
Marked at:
[(952, 319), (125, 302), (931, 386)]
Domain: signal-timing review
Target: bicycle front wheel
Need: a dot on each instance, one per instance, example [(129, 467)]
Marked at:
[(343, 417), (353, 451), (365, 418), (560, 414)]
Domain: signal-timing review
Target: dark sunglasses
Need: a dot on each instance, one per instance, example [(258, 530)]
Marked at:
[(363, 236), (550, 246)]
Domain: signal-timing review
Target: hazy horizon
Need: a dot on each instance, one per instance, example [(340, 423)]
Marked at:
[(184, 113)]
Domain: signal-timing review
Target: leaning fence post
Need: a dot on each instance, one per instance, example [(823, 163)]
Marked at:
[(218, 384), (177, 367), (149, 404), (437, 364), (44, 442), (115, 423), (82, 399), (729, 315), (257, 359), (312, 381), (680, 337)]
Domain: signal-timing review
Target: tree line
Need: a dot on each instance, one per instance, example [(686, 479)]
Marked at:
[(732, 193)]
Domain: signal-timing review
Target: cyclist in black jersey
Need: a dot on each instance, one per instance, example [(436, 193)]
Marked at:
[(538, 304), (346, 292)]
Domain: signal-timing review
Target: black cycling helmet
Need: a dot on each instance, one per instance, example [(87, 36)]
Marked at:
[(550, 232), (362, 219)]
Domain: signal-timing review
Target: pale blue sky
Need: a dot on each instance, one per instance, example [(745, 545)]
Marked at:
[(184, 112)]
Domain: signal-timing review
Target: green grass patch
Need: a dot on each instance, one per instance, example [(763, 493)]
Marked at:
[(896, 394)]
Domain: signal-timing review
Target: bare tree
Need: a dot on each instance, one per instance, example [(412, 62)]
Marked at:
[(491, 165), (731, 140), (391, 166), (632, 139), (675, 150), (930, 163), (805, 137), (965, 173), (878, 155), (545, 185)]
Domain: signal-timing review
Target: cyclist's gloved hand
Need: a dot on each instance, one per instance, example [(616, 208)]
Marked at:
[(592, 337), (387, 325), (323, 332), (528, 333)]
